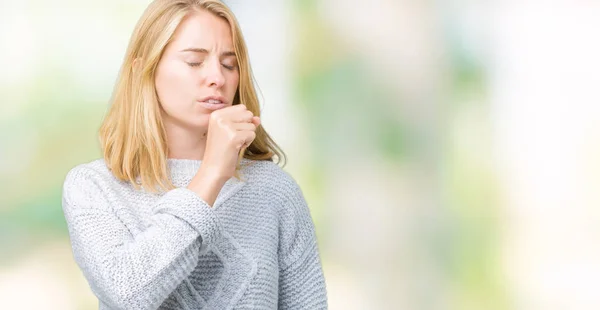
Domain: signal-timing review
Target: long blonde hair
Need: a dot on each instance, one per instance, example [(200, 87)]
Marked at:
[(132, 135)]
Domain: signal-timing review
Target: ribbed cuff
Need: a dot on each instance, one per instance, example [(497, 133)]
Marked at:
[(188, 206)]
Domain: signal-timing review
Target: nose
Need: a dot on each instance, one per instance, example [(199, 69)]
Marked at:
[(214, 75)]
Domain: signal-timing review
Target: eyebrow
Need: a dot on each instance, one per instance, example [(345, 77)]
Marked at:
[(205, 51)]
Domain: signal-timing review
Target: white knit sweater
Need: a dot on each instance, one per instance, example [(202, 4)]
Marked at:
[(255, 249)]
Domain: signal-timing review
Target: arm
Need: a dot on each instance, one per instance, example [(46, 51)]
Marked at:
[(301, 281), (140, 272)]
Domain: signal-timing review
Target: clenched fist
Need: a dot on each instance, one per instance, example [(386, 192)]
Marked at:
[(230, 130)]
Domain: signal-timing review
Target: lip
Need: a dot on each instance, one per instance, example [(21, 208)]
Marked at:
[(212, 106)]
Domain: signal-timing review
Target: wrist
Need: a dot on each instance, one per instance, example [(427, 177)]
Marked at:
[(212, 175), (207, 185)]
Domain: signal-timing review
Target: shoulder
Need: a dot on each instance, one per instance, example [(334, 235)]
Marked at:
[(88, 179), (92, 170), (270, 176), (277, 186)]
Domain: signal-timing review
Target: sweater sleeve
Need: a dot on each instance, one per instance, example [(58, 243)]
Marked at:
[(134, 272), (301, 280)]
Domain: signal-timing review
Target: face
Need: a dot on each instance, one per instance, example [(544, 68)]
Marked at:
[(197, 72)]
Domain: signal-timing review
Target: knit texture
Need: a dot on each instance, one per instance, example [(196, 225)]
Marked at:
[(255, 249)]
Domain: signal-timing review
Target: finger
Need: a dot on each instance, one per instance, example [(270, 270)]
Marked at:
[(238, 107), (234, 109), (245, 138), (231, 116), (256, 121), (244, 126), (229, 111), (243, 117)]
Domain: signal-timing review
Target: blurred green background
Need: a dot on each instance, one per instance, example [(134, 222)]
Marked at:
[(448, 149)]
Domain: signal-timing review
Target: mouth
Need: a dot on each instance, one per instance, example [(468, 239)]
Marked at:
[(213, 102)]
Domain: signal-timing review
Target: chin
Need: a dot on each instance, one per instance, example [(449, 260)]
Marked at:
[(199, 123), (200, 120)]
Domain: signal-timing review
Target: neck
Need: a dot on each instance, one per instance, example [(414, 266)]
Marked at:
[(185, 143)]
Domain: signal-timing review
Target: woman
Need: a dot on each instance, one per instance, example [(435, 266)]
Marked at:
[(187, 209)]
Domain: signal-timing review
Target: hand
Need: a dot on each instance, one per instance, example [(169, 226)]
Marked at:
[(230, 131)]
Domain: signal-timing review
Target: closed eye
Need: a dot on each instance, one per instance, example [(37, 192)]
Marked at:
[(228, 67), (194, 64)]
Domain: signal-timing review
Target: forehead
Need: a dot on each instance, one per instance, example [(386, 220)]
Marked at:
[(203, 29)]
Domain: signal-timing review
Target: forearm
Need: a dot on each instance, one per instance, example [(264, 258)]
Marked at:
[(137, 271)]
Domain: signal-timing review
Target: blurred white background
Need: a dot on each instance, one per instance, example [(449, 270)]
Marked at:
[(449, 150)]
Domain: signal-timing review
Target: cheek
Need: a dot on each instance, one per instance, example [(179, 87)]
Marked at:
[(233, 84), (170, 85)]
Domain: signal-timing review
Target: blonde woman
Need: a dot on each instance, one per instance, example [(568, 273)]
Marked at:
[(187, 209)]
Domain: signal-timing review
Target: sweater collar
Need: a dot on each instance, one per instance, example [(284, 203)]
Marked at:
[(182, 171)]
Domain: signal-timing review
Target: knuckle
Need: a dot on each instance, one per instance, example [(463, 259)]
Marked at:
[(233, 136)]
